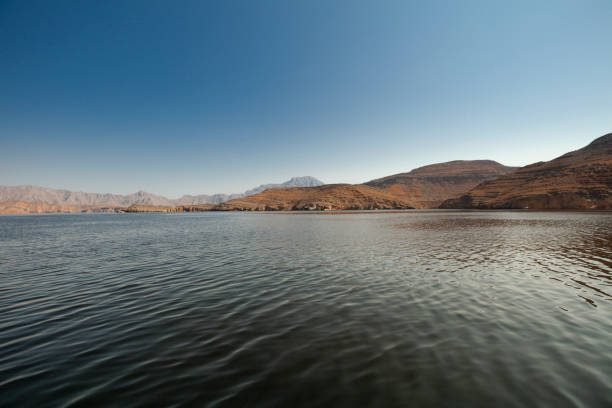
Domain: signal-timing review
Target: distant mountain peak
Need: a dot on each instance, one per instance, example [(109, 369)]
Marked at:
[(303, 181)]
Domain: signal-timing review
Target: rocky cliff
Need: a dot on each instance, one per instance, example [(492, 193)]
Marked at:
[(429, 186), (581, 179)]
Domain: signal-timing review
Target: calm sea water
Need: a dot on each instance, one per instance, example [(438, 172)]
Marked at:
[(508, 309)]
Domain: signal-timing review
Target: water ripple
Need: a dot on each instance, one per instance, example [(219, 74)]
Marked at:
[(419, 308)]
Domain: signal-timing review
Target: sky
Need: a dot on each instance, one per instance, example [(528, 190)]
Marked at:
[(200, 97)]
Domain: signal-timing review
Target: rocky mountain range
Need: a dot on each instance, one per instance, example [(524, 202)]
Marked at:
[(581, 179), (71, 198), (424, 187), (36, 207), (306, 181), (66, 197), (429, 186)]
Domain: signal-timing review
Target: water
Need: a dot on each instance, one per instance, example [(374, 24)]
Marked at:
[(506, 309)]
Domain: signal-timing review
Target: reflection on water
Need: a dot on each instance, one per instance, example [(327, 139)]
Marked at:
[(566, 249), (393, 309)]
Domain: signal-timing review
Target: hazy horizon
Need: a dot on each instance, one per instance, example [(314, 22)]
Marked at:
[(169, 197), (205, 98)]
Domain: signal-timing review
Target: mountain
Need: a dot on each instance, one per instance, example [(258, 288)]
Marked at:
[(325, 197), (429, 186), (305, 181), (581, 179), (205, 199), (65, 197), (39, 207)]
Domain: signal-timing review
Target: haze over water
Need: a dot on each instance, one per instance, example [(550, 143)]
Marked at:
[(435, 308)]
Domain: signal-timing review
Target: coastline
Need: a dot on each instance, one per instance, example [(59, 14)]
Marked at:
[(332, 212)]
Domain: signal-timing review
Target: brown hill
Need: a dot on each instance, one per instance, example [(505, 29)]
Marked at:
[(41, 207), (326, 197), (429, 186), (150, 208), (38, 207), (581, 179)]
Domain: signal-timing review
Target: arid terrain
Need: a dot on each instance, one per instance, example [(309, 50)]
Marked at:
[(88, 200), (429, 186), (581, 179), (78, 198), (41, 207), (327, 197)]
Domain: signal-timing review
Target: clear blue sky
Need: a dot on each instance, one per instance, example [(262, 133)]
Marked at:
[(220, 96)]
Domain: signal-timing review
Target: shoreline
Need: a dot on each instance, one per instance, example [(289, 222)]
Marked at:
[(336, 212)]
